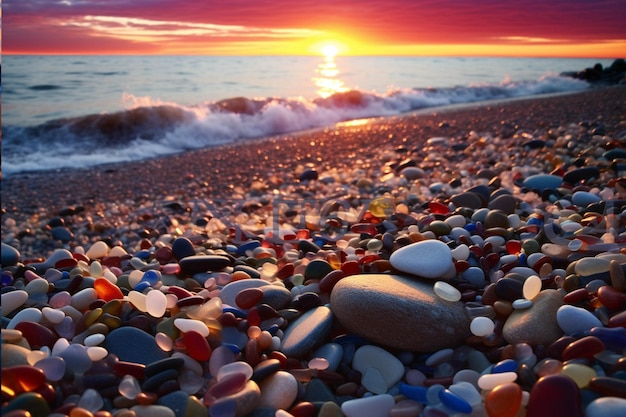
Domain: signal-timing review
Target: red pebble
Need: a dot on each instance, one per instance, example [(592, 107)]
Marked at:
[(328, 282), (22, 378), (106, 290), (66, 263), (229, 385), (585, 347), (285, 271), (555, 350), (197, 346), (248, 297), (122, 368), (577, 296), (351, 268), (618, 320), (303, 409), (367, 228), (611, 298), (438, 208), (504, 400), (36, 334), (179, 292), (80, 257), (513, 247), (554, 396)]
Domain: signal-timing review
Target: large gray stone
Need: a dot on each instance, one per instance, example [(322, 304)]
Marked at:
[(536, 325), (399, 312)]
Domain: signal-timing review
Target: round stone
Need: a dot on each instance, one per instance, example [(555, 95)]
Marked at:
[(606, 407), (400, 312), (427, 258), (536, 325), (279, 390), (9, 256), (446, 291), (482, 326)]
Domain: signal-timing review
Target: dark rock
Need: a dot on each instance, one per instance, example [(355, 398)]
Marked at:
[(581, 174), (182, 247), (204, 263)]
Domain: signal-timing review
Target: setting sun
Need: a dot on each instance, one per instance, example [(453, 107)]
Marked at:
[(330, 50)]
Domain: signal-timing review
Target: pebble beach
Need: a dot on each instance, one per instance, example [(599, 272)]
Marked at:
[(460, 261)]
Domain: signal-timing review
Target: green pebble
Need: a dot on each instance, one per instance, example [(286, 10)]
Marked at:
[(439, 227), (530, 246), (32, 402)]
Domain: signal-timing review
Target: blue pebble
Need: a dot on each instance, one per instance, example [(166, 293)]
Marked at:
[(141, 286), (614, 338), (152, 277), (143, 254), (454, 402), (507, 365), (238, 313), (523, 259), (470, 227), (251, 245), (414, 393), (534, 221)]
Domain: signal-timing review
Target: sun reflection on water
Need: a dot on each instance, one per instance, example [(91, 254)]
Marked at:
[(327, 80)]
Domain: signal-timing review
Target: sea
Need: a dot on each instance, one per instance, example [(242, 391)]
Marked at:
[(72, 111)]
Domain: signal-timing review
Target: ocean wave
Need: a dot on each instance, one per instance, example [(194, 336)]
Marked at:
[(150, 128)]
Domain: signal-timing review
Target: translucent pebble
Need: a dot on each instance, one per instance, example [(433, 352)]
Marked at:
[(467, 391), (490, 381), (375, 405), (446, 291), (53, 367), (373, 381), (521, 304), (432, 394), (466, 375), (54, 316), (590, 266), (129, 387), (12, 300), (187, 325), (138, 300), (35, 356), (95, 269), (190, 382), (96, 353), (532, 287), (98, 250), (581, 374), (91, 400), (374, 245), (504, 400), (318, 363), (37, 286), (482, 326), (461, 252), (58, 300), (94, 339), (59, 346), (439, 357), (238, 366), (164, 342), (156, 303), (77, 358)]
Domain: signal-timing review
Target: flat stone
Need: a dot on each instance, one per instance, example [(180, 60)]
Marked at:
[(573, 319), (131, 344), (428, 259), (584, 198), (307, 332), (467, 199), (505, 202), (372, 406), (536, 325), (373, 357), (239, 404), (203, 263), (276, 296), (542, 182), (9, 255), (606, 407), (399, 312)]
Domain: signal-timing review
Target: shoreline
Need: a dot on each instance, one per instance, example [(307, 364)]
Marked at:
[(465, 117)]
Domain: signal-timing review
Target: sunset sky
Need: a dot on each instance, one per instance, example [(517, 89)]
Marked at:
[(555, 28)]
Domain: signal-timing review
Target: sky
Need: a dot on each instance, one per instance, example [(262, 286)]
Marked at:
[(535, 28)]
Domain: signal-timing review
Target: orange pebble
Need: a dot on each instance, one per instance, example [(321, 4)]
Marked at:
[(106, 290), (504, 400)]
